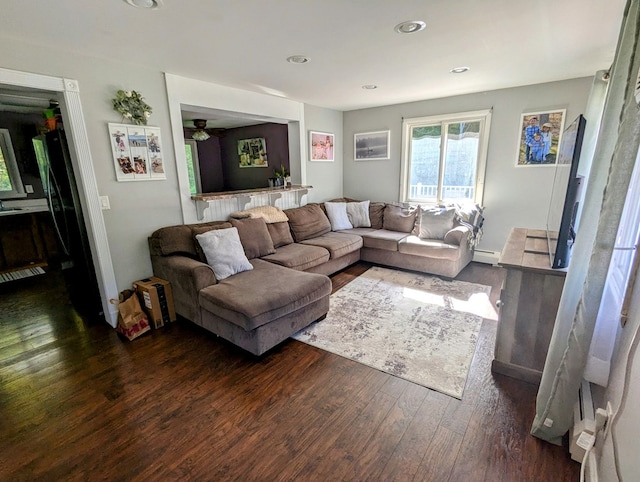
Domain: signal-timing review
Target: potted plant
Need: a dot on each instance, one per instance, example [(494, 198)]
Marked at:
[(282, 176)]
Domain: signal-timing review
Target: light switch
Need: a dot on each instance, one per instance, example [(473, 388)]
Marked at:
[(104, 203), (28, 188)]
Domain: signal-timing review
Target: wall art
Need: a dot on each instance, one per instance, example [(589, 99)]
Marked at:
[(321, 146), (137, 152), (540, 134)]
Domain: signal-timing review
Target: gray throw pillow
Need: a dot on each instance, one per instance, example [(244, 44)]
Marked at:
[(358, 214), (337, 214), (434, 223), (224, 252)]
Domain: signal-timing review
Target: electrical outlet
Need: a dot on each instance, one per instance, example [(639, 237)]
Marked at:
[(28, 188), (104, 203)]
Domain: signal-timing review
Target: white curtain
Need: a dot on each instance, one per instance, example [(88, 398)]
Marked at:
[(608, 320), (607, 186)]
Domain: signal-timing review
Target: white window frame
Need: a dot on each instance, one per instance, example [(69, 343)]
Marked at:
[(12, 167), (196, 162), (483, 116)]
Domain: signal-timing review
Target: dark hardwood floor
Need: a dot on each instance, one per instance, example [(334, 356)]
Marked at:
[(79, 403)]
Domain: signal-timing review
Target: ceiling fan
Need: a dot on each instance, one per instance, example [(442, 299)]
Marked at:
[(202, 133)]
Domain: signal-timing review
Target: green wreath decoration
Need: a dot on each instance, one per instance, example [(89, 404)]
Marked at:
[(131, 106)]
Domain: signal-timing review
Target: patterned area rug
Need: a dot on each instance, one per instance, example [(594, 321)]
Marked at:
[(414, 326)]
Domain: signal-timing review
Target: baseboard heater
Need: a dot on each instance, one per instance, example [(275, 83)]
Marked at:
[(584, 421)]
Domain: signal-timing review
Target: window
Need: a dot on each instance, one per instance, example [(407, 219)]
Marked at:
[(10, 181), (444, 157), (193, 166)]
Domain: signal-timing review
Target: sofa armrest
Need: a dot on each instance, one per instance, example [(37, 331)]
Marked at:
[(457, 235), (187, 277)]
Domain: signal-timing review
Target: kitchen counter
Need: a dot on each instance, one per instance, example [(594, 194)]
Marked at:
[(27, 206)]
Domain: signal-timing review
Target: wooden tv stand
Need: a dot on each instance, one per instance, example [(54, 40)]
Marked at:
[(527, 306)]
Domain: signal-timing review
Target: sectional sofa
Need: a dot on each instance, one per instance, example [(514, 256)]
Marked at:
[(261, 276)]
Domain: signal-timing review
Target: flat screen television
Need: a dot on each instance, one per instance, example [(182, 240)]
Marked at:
[(565, 195)]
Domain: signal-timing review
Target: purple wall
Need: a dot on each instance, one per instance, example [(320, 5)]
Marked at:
[(211, 174), (220, 164)]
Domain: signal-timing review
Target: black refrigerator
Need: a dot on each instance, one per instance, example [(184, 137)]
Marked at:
[(61, 191)]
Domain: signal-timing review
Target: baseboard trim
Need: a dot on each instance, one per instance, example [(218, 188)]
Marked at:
[(515, 371), (485, 256)]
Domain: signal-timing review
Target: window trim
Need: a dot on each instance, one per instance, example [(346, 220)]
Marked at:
[(12, 167), (196, 163), (483, 116)]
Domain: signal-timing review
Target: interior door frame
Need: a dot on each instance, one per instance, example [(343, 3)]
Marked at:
[(73, 119)]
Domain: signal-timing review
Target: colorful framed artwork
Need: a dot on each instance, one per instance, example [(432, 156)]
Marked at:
[(321, 146), (253, 152), (137, 152), (370, 146), (539, 138)]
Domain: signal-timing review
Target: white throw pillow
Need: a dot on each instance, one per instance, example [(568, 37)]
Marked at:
[(224, 252), (434, 223), (337, 214), (358, 214)]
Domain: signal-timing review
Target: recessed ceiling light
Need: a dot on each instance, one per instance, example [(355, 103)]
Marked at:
[(298, 59), (410, 26), (369, 87), (151, 4), (459, 70)]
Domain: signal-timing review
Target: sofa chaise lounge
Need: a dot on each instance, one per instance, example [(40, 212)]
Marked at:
[(283, 285)]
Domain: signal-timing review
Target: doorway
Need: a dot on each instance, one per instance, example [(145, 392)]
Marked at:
[(68, 94)]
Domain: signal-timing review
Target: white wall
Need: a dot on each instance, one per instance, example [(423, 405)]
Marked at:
[(137, 208), (325, 177), (513, 196)]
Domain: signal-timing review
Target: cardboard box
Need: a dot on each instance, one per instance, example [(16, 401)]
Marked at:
[(157, 300)]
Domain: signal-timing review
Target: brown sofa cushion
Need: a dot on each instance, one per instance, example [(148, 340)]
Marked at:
[(299, 256), (307, 221), (432, 248), (397, 218), (434, 223), (179, 239), (376, 211), (202, 228), (338, 244), (268, 301), (254, 236), (383, 239), (280, 234)]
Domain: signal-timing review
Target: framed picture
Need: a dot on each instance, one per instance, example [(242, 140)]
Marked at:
[(137, 152), (321, 146), (540, 134), (253, 152), (369, 146)]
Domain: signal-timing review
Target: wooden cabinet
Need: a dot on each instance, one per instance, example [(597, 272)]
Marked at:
[(26, 241), (527, 307)]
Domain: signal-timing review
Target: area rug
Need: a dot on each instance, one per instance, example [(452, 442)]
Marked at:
[(413, 326)]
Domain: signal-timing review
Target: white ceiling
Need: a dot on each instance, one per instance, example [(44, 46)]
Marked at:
[(244, 43)]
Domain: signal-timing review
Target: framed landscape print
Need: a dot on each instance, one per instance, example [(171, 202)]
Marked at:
[(369, 146), (540, 134), (321, 146)]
